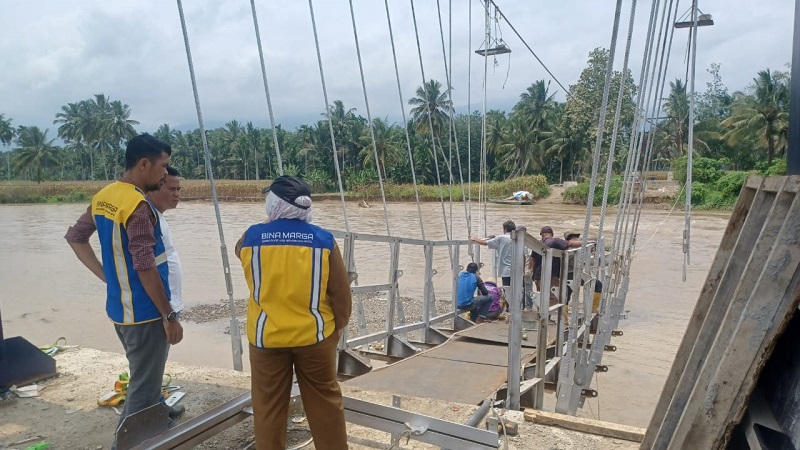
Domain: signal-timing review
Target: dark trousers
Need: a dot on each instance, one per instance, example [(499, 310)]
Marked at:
[(315, 368), (146, 349)]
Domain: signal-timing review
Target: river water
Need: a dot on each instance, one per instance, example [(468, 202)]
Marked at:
[(46, 293)]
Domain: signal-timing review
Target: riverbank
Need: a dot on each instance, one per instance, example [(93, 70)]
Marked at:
[(660, 194), (250, 190), (66, 414)]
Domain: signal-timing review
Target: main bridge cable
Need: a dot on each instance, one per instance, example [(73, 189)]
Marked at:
[(566, 91), (430, 125), (236, 337), (266, 90), (369, 119), (405, 123), (328, 115)]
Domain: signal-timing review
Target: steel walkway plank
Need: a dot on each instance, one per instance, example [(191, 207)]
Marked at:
[(460, 370), (498, 332)]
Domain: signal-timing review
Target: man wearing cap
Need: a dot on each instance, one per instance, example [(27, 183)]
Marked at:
[(535, 261), (298, 308)]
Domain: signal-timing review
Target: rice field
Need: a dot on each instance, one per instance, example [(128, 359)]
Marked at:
[(250, 190)]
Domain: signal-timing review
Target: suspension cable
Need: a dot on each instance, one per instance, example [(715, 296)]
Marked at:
[(430, 124), (328, 114), (690, 148), (449, 157), (469, 123), (623, 206), (660, 85), (620, 94), (584, 261), (484, 143), (236, 337), (266, 90), (658, 75), (369, 120), (452, 132), (405, 123)]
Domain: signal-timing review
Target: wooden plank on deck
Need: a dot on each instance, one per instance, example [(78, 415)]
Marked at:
[(591, 426)]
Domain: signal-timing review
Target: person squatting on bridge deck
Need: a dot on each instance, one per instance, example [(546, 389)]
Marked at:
[(299, 306), (478, 306), (134, 268)]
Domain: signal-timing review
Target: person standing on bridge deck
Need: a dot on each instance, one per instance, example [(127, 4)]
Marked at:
[(165, 198), (298, 308), (535, 261), (504, 246), (134, 268)]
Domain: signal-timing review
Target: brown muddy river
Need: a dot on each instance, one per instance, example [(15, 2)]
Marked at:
[(46, 293)]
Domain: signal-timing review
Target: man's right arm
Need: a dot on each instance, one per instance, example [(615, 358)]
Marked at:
[(78, 239)]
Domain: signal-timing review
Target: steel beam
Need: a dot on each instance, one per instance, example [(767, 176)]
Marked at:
[(194, 431), (436, 431)]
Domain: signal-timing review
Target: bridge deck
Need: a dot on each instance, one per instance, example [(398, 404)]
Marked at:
[(467, 368)]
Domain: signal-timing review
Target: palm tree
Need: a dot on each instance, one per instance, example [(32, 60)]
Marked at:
[(562, 144), (119, 126), (7, 134), (35, 151), (79, 127), (232, 134), (673, 135), (765, 113), (521, 149), (537, 104), (253, 136), (430, 107), (386, 144)]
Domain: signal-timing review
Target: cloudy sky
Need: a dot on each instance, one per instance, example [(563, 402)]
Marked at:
[(55, 52)]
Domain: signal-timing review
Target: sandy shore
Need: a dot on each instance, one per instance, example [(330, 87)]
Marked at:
[(66, 414)]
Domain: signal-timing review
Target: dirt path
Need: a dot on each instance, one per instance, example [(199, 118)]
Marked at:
[(66, 415)]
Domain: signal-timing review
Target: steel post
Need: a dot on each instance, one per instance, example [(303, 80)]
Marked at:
[(544, 315), (515, 328)]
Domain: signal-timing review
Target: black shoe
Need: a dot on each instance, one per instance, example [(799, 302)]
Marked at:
[(176, 411)]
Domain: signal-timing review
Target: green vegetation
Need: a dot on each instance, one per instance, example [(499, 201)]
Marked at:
[(540, 139), (580, 193), (240, 190)]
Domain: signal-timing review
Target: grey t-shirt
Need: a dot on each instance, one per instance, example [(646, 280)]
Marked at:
[(503, 246)]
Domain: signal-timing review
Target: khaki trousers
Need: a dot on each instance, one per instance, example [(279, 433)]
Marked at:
[(271, 378)]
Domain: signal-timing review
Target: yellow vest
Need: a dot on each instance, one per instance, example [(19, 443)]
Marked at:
[(286, 266)]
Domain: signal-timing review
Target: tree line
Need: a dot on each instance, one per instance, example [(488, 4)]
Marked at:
[(745, 130)]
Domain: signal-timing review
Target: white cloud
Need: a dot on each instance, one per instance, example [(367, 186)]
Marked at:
[(58, 52)]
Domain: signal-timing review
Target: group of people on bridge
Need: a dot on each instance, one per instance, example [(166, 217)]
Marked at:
[(484, 299)]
